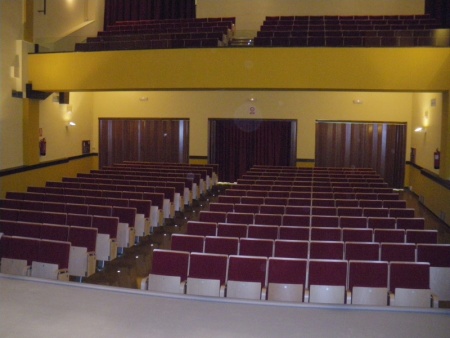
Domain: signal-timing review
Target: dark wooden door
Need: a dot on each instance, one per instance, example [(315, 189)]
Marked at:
[(377, 145), (151, 140), (238, 144)]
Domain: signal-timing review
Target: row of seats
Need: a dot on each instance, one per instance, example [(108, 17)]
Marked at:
[(112, 233), (309, 248), (18, 248), (408, 230), (290, 31), (292, 280), (161, 35), (330, 19), (35, 257), (139, 214)]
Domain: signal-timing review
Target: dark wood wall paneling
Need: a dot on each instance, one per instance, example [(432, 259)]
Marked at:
[(151, 140), (377, 145)]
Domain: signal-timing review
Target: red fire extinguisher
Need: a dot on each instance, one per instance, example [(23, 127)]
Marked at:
[(42, 147), (437, 159)]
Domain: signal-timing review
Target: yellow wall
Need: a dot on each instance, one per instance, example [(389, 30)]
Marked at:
[(435, 197), (379, 69), (38, 177)]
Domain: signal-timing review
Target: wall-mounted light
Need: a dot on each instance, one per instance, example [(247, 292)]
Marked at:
[(252, 99), (143, 98), (420, 130), (357, 101)]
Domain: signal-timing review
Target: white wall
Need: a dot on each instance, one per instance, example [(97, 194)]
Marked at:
[(11, 145)]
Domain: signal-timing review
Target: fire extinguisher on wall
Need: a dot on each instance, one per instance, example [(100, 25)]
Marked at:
[(42, 147), (437, 159)]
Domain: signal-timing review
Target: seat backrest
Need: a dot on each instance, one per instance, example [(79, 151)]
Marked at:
[(296, 220), (404, 252), (421, 236), (125, 215), (247, 269), (262, 231), (54, 217), (367, 274), (357, 235), (83, 237), (350, 211), (389, 235), (170, 263), (411, 223), (400, 275), (272, 209), (141, 206), (106, 225), (79, 220), (381, 223), (352, 222), (221, 245), (291, 249), (401, 212), (189, 243), (221, 207), (362, 251), (27, 229), (55, 232), (256, 247), (327, 272), (208, 266), (297, 210), (286, 271), (268, 219), (326, 250), (212, 216), (201, 228), (100, 210), (54, 252), (376, 212), (324, 221), (23, 248), (438, 255), (232, 230), (294, 232), (326, 234), (324, 211), (29, 216), (246, 208), (239, 217)]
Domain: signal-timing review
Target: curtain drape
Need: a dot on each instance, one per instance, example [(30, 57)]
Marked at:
[(238, 144), (122, 10)]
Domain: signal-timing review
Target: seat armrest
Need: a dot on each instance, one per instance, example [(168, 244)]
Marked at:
[(222, 291), (144, 283), (263, 293), (348, 297), (306, 296), (434, 301), (183, 287), (391, 299)]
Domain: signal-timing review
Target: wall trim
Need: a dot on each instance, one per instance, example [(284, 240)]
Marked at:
[(431, 175), (26, 168)]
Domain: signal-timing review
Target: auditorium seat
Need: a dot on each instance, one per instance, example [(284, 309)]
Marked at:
[(402, 212), (54, 217), (188, 243), (296, 220), (82, 258), (291, 248), (232, 230), (55, 232), (256, 247), (207, 274), (350, 211), (352, 222), (368, 282), (268, 219), (404, 252), (201, 228), (75, 208), (407, 291), (421, 236), (326, 234), (246, 208), (247, 277), (327, 280), (221, 207), (106, 245), (221, 245), (294, 232), (297, 210), (262, 231), (381, 223), (142, 218), (52, 261), (357, 235), (375, 212), (286, 279), (79, 220), (325, 221), (389, 235), (326, 250), (363, 251), (18, 253), (272, 209), (438, 255), (212, 216), (415, 223), (169, 272), (239, 218), (324, 211), (27, 229)]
